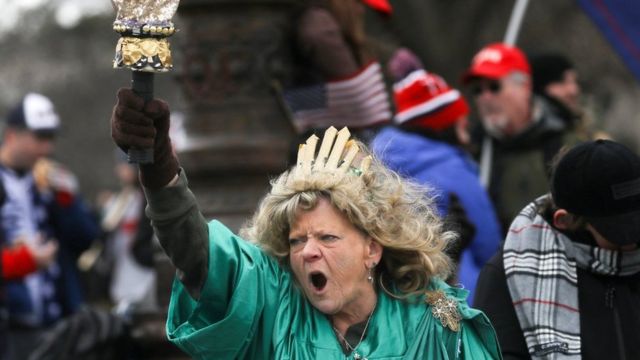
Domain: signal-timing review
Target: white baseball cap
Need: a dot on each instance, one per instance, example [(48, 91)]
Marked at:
[(36, 113)]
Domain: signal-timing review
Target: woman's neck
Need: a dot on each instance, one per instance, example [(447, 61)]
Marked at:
[(355, 313)]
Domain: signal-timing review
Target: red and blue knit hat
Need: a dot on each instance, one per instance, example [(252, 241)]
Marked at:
[(424, 99)]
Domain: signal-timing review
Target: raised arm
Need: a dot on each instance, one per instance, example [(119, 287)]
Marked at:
[(172, 208), (321, 39)]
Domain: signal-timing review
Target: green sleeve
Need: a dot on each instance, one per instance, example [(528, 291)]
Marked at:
[(478, 340), (235, 315)]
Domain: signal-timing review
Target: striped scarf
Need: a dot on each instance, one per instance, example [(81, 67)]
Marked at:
[(540, 265)]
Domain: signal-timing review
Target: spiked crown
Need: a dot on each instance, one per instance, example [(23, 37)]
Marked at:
[(335, 158)]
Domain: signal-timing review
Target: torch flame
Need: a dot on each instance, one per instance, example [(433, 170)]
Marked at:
[(145, 11)]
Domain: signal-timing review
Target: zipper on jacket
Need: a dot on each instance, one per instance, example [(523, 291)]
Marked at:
[(609, 299)]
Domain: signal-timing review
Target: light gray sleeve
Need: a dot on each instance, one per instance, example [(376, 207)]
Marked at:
[(182, 231)]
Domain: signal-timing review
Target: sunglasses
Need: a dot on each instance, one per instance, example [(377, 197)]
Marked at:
[(493, 86)]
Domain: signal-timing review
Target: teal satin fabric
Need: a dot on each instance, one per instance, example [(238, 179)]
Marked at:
[(250, 308)]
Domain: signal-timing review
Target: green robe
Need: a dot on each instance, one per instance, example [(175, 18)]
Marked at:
[(250, 308)]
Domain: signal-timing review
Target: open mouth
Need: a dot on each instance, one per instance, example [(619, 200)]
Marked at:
[(318, 280)]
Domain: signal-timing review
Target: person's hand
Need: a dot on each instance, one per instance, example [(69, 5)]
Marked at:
[(139, 125), (44, 253), (103, 197), (51, 176)]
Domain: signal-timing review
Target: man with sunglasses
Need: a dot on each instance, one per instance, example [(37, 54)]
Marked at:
[(520, 135)]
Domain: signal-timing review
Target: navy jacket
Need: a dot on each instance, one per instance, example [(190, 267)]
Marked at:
[(69, 221)]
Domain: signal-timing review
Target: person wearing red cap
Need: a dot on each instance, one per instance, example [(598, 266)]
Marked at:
[(427, 145), (521, 133)]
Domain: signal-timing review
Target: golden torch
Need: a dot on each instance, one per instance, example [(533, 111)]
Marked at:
[(144, 26)]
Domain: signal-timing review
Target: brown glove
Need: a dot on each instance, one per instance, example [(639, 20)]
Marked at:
[(139, 125)]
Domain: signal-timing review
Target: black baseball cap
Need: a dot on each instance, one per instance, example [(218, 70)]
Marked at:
[(548, 68), (600, 181), (36, 113)]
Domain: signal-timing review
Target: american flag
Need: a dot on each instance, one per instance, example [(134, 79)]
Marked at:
[(357, 101)]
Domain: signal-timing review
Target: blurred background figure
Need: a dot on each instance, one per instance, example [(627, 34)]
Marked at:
[(42, 207), (520, 134), (428, 146), (338, 81), (555, 78), (129, 241), (16, 262)]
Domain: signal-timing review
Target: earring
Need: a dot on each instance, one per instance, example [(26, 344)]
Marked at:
[(370, 276)]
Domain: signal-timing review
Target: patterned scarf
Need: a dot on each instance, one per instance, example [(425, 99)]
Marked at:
[(540, 265)]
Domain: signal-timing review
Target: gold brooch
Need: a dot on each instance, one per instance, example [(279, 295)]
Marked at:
[(444, 309)]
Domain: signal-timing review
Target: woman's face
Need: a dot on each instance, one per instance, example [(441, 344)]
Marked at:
[(330, 259)]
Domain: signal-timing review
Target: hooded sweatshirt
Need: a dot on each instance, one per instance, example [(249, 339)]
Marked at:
[(446, 170)]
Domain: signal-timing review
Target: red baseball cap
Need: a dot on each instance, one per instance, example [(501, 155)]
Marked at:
[(495, 61), (382, 6)]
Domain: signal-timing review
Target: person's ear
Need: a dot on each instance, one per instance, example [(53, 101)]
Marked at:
[(462, 131), (374, 251), (562, 219)]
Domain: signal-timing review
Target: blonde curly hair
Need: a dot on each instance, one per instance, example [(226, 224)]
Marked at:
[(398, 214)]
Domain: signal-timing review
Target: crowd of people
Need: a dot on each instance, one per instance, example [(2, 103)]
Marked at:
[(394, 234)]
